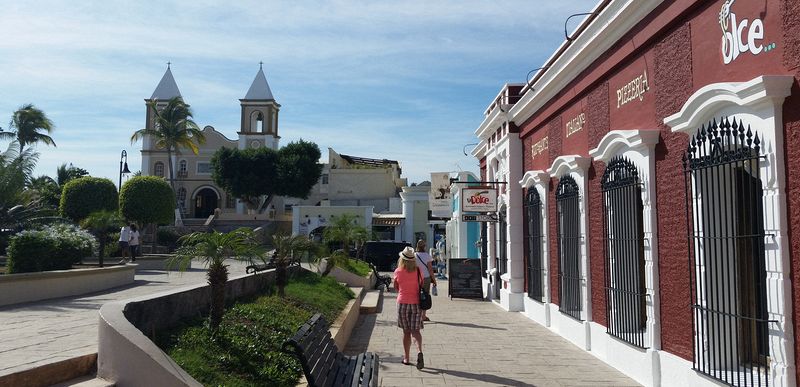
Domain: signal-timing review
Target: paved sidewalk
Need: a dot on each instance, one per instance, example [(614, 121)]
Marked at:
[(45, 332), (475, 343)]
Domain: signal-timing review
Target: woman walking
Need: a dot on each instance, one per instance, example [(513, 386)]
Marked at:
[(134, 242), (425, 263), (409, 316)]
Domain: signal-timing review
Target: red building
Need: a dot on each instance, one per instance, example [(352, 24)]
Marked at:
[(652, 211)]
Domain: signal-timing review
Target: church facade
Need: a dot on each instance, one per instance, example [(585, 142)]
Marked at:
[(198, 196)]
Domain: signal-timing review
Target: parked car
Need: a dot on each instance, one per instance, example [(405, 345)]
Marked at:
[(384, 254)]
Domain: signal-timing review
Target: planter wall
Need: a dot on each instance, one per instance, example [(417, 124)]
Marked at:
[(29, 287)]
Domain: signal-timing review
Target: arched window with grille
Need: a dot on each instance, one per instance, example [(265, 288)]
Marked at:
[(533, 219), (569, 244), (623, 231), (158, 169), (725, 209)]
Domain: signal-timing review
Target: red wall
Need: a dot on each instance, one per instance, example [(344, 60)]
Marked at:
[(679, 47)]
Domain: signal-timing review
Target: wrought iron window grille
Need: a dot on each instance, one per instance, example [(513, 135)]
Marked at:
[(623, 232), (727, 268), (535, 237), (569, 250)]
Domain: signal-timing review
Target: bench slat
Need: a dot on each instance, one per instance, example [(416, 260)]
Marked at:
[(349, 367), (313, 334), (324, 362)]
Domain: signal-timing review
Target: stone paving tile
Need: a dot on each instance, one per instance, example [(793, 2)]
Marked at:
[(44, 332), (475, 343)]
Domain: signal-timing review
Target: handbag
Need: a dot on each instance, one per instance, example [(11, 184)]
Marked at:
[(425, 301)]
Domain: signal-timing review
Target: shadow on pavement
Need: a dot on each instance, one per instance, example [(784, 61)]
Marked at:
[(487, 378), (465, 325)]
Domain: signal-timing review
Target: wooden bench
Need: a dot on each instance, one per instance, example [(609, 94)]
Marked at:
[(322, 362)]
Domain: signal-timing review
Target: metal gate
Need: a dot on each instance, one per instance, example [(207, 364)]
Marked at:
[(726, 253), (623, 232), (569, 240), (533, 214), (500, 260)]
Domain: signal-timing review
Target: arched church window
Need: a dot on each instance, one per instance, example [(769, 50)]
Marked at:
[(182, 170), (158, 169)]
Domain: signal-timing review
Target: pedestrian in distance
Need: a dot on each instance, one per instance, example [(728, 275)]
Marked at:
[(409, 316), (134, 242), (124, 243), (425, 263)]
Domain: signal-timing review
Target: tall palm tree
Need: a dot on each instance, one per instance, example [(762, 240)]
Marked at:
[(18, 209), (26, 124), (214, 249), (289, 248), (173, 130)]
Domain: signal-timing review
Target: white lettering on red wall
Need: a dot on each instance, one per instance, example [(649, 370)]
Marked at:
[(538, 147), (575, 124), (633, 90), (740, 35)]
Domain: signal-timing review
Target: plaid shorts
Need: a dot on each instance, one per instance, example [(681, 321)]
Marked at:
[(409, 317)]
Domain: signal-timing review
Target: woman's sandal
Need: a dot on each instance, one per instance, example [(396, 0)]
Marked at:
[(405, 362), (420, 361)]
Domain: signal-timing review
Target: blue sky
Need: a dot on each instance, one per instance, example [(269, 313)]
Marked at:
[(406, 80)]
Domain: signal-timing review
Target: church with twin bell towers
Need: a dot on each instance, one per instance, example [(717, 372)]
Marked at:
[(198, 196)]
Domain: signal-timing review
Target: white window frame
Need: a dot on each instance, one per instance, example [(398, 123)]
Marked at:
[(638, 146), (759, 103)]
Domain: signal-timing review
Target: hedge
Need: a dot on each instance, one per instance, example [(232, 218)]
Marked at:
[(51, 248)]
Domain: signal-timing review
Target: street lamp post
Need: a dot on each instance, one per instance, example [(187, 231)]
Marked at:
[(123, 167)]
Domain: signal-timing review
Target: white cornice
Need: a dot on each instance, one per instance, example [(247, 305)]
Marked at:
[(534, 178), (565, 164), (490, 123), (615, 140), (771, 89), (613, 22)]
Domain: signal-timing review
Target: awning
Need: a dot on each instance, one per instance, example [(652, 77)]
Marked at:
[(386, 221)]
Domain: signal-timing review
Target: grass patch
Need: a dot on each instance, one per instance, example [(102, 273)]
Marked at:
[(246, 350), (357, 267)]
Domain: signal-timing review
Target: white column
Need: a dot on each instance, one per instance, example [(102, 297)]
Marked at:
[(408, 214)]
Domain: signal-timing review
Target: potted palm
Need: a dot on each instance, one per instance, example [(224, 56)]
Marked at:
[(346, 232)]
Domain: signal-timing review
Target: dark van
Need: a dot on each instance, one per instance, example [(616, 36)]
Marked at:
[(384, 254)]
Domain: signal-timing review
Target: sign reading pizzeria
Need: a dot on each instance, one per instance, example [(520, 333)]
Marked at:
[(479, 199), (634, 90)]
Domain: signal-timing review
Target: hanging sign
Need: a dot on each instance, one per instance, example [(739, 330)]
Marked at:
[(482, 199), (439, 196), (740, 36), (490, 217)]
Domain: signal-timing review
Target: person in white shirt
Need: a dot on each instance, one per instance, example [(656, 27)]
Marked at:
[(134, 242), (124, 242), (424, 262)]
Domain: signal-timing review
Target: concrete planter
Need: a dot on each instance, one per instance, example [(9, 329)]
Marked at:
[(351, 279), (28, 287), (128, 358), (155, 262)]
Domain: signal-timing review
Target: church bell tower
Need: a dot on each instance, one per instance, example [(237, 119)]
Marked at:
[(259, 126)]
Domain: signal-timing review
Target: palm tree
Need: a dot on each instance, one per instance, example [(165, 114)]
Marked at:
[(18, 208), (101, 224), (26, 124), (174, 129), (345, 230), (289, 248), (214, 249)]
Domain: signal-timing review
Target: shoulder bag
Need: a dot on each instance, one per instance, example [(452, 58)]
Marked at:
[(425, 301)]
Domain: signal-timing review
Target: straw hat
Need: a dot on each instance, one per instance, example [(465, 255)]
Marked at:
[(407, 253)]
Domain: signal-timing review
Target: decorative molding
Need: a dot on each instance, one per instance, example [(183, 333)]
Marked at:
[(532, 178), (571, 163), (616, 140), (769, 89), (613, 22)]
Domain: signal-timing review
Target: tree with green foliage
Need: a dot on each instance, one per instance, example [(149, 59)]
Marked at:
[(345, 231), (147, 200), (18, 209), (102, 224), (174, 130), (256, 176), (214, 249), (288, 249), (87, 194), (48, 189), (27, 123)]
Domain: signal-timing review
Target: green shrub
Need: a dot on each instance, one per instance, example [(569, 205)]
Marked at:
[(147, 199), (168, 236), (247, 348), (85, 195), (54, 247), (357, 267)]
